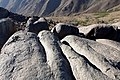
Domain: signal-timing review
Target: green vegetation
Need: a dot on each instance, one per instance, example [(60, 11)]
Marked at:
[(81, 22), (101, 14)]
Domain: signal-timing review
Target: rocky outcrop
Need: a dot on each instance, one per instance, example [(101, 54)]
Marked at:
[(7, 28), (63, 29), (18, 18), (28, 56), (37, 26), (55, 58), (101, 31), (81, 67), (3, 13), (109, 43), (98, 54), (23, 58)]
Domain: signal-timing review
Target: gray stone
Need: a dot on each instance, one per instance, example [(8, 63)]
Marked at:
[(58, 63), (37, 26), (17, 17), (3, 13), (104, 57), (101, 31), (23, 58), (29, 23), (111, 43), (7, 28), (81, 67), (63, 29)]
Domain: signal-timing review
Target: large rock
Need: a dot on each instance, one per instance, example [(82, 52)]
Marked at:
[(23, 58), (81, 67), (18, 18), (104, 57), (55, 58), (63, 29), (109, 43), (37, 26), (101, 31), (7, 28), (3, 13)]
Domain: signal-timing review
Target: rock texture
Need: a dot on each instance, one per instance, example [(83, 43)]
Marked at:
[(3, 13), (81, 67), (23, 58), (63, 29), (109, 43), (29, 61), (18, 18), (7, 28), (101, 31), (30, 51), (37, 26), (55, 58), (98, 54)]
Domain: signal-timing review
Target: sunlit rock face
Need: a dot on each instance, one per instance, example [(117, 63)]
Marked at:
[(29, 50), (27, 56)]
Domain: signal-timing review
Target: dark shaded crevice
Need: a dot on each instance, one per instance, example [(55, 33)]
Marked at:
[(73, 77), (118, 65), (88, 62), (43, 49), (66, 43), (14, 39)]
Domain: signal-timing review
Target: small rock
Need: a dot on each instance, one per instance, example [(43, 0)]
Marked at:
[(7, 28), (62, 30), (18, 18), (37, 26), (101, 31), (3, 13)]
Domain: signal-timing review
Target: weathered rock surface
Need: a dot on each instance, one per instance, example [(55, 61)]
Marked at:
[(28, 56), (18, 18), (7, 28), (104, 57), (109, 43), (23, 58), (81, 67), (37, 26), (3, 13), (55, 58), (63, 29), (101, 31)]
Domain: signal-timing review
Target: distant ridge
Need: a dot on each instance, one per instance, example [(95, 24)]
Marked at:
[(59, 7)]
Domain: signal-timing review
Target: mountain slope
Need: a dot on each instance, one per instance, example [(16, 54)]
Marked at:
[(57, 7)]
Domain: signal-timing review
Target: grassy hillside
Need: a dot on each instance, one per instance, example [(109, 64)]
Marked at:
[(90, 18), (59, 7)]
